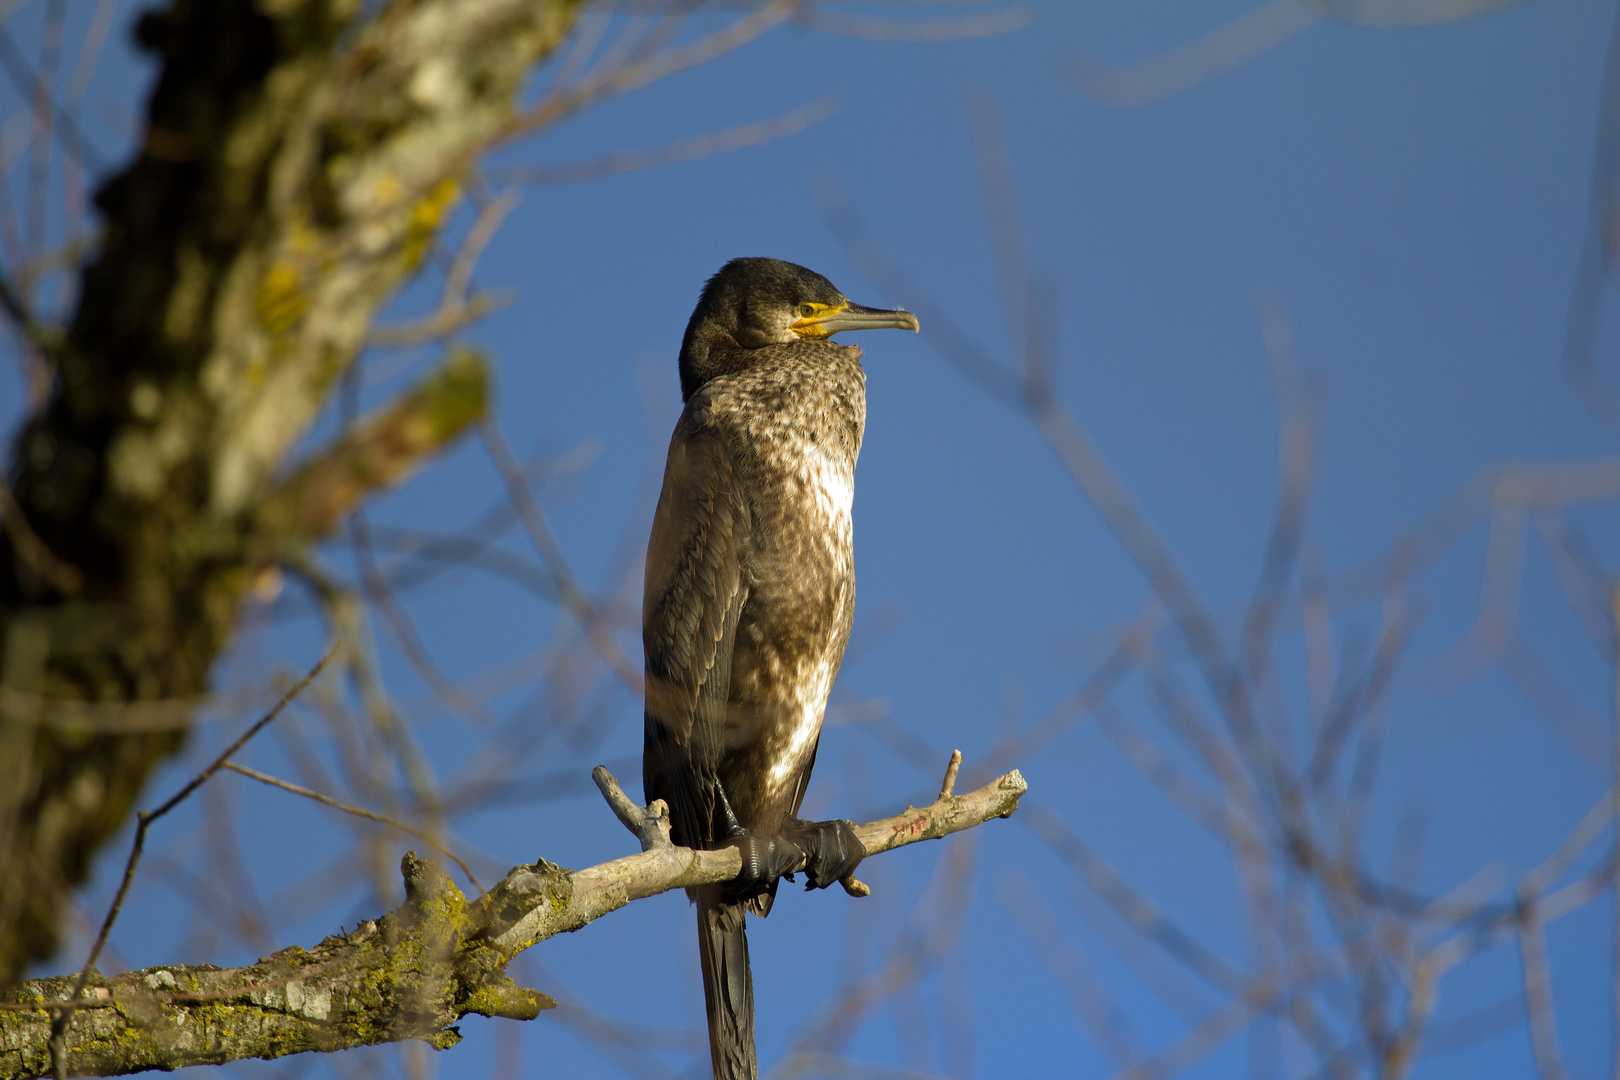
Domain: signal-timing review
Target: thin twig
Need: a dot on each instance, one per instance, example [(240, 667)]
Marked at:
[(1538, 1001), (1614, 608), (1230, 45), (717, 142), (143, 821), (63, 126), (382, 819), (34, 332), (457, 309), (1104, 1019), (32, 550), (545, 542), (621, 78), (918, 30), (443, 323), (490, 216), (39, 158), (399, 621)]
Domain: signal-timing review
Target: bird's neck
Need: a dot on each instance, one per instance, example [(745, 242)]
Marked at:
[(792, 403), (707, 353)]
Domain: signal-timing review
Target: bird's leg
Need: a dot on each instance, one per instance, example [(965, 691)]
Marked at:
[(764, 859), (831, 849)]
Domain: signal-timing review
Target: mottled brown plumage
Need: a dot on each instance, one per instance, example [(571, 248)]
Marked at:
[(750, 594)]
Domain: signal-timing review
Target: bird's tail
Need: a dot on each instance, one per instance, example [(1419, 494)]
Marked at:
[(728, 986)]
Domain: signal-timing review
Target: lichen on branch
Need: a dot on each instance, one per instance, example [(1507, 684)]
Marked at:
[(410, 974)]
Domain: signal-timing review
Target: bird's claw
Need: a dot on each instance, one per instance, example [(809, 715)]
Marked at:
[(825, 850), (831, 850), (764, 861)]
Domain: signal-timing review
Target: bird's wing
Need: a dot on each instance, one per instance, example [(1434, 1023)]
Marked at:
[(695, 592), (803, 780)]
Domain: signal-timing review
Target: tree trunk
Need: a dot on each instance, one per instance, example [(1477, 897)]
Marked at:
[(295, 169)]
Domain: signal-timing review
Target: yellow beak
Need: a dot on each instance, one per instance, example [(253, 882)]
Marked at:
[(832, 320)]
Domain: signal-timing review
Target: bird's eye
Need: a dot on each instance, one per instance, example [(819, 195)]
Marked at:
[(807, 310)]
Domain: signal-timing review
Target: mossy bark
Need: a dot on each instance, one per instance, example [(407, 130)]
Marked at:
[(294, 170), (412, 973), (408, 975)]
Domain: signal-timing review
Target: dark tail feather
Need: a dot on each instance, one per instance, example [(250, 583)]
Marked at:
[(728, 986)]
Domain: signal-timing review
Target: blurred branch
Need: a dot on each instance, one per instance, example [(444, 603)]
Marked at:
[(457, 309), (39, 158), (1137, 909), (718, 142), (1596, 261), (34, 332), (403, 629), (1258, 30), (60, 1018), (296, 164), (545, 542), (932, 928), (381, 819), (1531, 485), (1098, 1010), (29, 85), (426, 553), (626, 75), (917, 30), (1538, 998), (89, 717), (448, 320), (1229, 46), (31, 552), (975, 363), (381, 450), (1295, 837)]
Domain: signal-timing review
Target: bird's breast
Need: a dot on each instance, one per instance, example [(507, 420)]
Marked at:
[(795, 424)]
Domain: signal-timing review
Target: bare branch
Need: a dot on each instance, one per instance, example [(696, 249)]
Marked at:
[(410, 974), (457, 309), (620, 78), (444, 322), (1229, 46), (1614, 610), (663, 866), (381, 819), (718, 142), (144, 820), (380, 451), (545, 542), (1256, 31), (1538, 999), (922, 30), (31, 550)]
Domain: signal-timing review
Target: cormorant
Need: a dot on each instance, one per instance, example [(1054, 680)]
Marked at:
[(750, 592)]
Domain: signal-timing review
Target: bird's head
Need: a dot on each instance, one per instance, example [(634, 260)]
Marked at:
[(752, 303)]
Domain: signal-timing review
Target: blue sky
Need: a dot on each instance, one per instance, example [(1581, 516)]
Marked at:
[(1414, 200)]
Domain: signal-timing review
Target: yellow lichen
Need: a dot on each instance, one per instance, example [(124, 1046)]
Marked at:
[(281, 301), (426, 217)]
